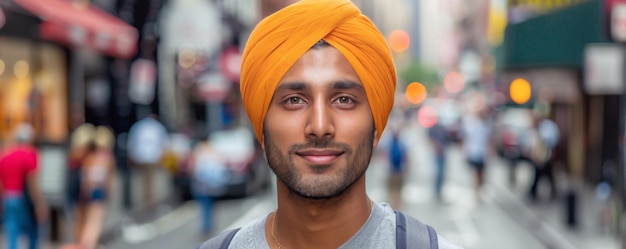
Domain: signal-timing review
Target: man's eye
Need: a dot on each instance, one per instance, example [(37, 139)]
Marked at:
[(294, 100), (344, 100)]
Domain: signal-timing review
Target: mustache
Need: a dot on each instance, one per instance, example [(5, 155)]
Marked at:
[(320, 144)]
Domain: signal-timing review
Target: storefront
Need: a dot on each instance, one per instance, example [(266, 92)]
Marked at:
[(42, 62), (548, 50), (33, 88), (43, 49)]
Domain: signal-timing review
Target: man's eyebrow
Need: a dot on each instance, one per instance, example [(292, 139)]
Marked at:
[(293, 86), (340, 85), (346, 85)]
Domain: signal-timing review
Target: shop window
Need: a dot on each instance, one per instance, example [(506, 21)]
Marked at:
[(33, 83)]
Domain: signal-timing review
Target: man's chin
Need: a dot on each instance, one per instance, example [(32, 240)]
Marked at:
[(318, 190)]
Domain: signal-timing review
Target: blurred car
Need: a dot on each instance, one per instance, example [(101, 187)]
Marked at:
[(512, 124), (248, 168), (248, 171), (449, 115)]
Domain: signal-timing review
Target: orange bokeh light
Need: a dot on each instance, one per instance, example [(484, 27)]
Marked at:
[(399, 40), (415, 93)]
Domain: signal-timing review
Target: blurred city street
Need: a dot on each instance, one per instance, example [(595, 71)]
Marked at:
[(504, 217), (123, 125)]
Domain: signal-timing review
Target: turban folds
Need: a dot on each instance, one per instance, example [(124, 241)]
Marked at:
[(280, 39)]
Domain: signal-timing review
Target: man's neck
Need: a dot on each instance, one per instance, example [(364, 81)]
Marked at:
[(327, 223)]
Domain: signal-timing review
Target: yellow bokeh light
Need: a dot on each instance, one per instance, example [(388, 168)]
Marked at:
[(21, 69), (415, 93), (1, 67), (520, 91)]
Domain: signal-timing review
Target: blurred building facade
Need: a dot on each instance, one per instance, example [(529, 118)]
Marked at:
[(199, 56), (541, 45), (51, 53), (47, 50)]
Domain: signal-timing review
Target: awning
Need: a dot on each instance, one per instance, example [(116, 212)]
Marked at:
[(556, 39), (82, 25)]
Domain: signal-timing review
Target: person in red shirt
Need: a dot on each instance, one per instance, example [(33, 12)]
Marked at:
[(23, 203)]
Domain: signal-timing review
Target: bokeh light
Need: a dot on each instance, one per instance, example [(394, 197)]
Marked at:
[(520, 91), (454, 82), (21, 69), (415, 93), (399, 40), (427, 116), (1, 67)]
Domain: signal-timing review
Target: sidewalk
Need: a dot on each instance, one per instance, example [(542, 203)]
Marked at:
[(547, 218)]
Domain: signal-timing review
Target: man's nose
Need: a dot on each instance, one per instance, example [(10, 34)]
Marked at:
[(320, 121)]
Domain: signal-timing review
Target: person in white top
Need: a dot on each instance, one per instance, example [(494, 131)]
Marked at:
[(147, 141), (476, 140)]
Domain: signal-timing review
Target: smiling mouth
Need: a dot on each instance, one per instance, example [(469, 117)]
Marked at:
[(319, 157)]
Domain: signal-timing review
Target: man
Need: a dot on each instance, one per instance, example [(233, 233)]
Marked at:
[(398, 165), (24, 206), (318, 83), (438, 136), (543, 139), (476, 143)]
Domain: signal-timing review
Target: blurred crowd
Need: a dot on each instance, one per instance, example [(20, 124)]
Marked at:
[(482, 130)]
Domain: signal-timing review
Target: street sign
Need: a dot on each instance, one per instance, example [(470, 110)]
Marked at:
[(230, 64), (213, 87), (603, 72), (142, 81)]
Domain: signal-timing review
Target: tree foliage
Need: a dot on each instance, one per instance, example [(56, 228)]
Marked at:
[(419, 72)]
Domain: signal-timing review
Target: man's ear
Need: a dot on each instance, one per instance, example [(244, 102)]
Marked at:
[(375, 143)]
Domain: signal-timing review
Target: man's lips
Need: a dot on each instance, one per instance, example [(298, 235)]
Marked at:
[(319, 156)]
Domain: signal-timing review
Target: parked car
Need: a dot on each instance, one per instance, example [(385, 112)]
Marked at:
[(512, 125), (244, 158), (248, 171)]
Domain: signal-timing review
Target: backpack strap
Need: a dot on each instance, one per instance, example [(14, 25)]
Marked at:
[(420, 235), (228, 238), (220, 241)]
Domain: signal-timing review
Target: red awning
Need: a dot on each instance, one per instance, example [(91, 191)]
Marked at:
[(82, 25)]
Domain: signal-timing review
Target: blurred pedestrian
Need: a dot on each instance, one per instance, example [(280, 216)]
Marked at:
[(543, 138), (147, 142), (318, 84), (179, 154), (79, 148), (98, 172), (24, 206), (439, 138), (398, 166), (209, 177), (477, 130)]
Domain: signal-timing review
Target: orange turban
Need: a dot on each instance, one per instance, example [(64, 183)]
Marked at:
[(280, 39)]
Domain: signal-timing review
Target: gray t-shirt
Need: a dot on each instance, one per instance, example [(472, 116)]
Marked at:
[(379, 231)]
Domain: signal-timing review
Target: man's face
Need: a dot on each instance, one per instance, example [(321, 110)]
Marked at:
[(319, 131)]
